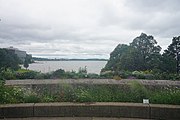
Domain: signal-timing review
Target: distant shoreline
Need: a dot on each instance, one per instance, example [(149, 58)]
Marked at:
[(63, 59)]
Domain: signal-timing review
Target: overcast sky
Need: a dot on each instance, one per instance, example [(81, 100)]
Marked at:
[(84, 28)]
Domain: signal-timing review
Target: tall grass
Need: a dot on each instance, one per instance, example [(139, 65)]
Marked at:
[(133, 92)]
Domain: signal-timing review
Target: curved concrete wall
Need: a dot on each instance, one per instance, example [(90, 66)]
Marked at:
[(129, 110)]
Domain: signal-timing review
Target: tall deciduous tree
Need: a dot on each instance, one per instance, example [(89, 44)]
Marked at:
[(130, 60), (115, 57), (148, 49), (168, 63), (142, 54), (174, 51)]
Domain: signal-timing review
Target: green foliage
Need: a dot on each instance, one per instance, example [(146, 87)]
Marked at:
[(137, 91), (60, 73), (117, 77), (115, 56), (129, 60), (67, 93), (93, 76), (124, 74), (26, 74), (7, 74), (83, 95), (134, 92), (142, 54), (167, 96), (107, 74), (8, 59), (168, 64), (102, 94), (29, 74), (47, 98), (32, 98), (82, 73), (174, 51), (10, 94), (138, 74), (26, 63), (148, 50)]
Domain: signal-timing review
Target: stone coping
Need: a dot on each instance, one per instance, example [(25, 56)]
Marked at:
[(91, 81), (98, 109)]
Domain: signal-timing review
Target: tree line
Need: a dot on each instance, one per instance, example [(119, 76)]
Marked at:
[(143, 54), (140, 59)]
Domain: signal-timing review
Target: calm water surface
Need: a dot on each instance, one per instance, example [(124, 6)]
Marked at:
[(48, 66)]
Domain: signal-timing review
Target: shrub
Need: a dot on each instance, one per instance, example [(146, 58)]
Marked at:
[(117, 77), (60, 73), (137, 91), (133, 92), (107, 74), (138, 75), (48, 98), (46, 75), (7, 74), (83, 95), (32, 98), (10, 94), (93, 76), (124, 74), (26, 74), (102, 93), (166, 96)]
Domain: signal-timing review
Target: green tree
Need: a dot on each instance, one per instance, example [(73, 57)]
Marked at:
[(129, 60), (173, 51), (26, 63), (8, 59), (115, 57), (168, 63), (142, 54), (148, 49)]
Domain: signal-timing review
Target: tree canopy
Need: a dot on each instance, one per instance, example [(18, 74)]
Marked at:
[(8, 60), (143, 54), (148, 49), (115, 57), (173, 52)]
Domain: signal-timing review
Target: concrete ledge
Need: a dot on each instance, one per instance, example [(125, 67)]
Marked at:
[(100, 109), (131, 110), (135, 110), (17, 110), (165, 111)]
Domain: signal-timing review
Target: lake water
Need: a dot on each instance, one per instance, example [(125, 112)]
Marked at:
[(48, 66)]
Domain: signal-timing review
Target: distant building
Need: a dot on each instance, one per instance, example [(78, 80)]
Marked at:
[(19, 53)]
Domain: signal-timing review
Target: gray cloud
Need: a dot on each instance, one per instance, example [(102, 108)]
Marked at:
[(158, 17), (84, 28), (153, 5)]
